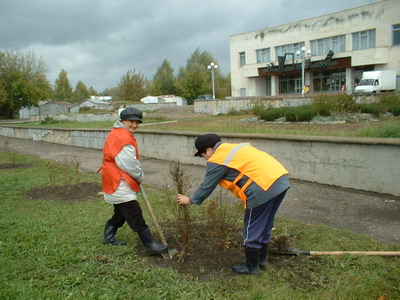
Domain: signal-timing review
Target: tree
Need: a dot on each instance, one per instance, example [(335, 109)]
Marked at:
[(92, 91), (23, 82), (62, 88), (81, 92), (223, 86), (163, 80), (194, 79), (132, 86)]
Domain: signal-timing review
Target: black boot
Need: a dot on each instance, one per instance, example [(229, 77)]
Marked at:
[(263, 256), (251, 264), (109, 235), (151, 245)]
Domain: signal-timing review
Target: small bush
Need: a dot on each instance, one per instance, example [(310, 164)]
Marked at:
[(272, 114), (301, 114), (49, 120), (371, 108), (390, 99), (394, 109), (328, 105), (257, 107), (379, 108)]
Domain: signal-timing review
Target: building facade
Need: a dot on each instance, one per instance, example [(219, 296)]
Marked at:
[(318, 55)]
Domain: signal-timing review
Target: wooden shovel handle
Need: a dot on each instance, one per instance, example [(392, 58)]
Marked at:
[(376, 253), (153, 217)]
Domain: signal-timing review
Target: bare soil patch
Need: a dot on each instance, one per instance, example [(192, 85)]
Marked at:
[(66, 193), (8, 166), (211, 257)]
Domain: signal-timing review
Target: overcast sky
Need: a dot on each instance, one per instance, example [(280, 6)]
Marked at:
[(98, 41)]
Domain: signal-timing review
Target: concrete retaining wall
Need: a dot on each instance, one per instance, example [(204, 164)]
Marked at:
[(217, 106), (359, 163)]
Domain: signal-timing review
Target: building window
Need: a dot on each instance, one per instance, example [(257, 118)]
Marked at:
[(263, 55), (364, 39), (396, 34), (242, 59), (289, 84), (289, 48), (323, 46), (242, 92)]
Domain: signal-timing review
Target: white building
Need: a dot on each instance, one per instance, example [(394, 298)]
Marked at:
[(92, 104), (341, 46)]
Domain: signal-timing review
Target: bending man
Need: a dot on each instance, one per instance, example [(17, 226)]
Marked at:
[(253, 176)]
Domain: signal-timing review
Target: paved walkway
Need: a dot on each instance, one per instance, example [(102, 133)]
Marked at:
[(373, 214)]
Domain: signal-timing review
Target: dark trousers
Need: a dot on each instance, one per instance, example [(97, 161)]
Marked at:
[(258, 222), (130, 212)]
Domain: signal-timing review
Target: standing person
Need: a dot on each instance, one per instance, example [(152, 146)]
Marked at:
[(253, 176), (121, 176)]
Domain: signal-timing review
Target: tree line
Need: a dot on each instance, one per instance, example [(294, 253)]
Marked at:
[(23, 82)]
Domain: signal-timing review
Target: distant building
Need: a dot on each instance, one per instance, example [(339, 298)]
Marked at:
[(341, 46), (164, 99), (45, 108), (152, 100), (92, 104), (104, 98)]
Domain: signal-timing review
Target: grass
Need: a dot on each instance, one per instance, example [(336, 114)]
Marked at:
[(383, 128), (52, 250), (87, 125)]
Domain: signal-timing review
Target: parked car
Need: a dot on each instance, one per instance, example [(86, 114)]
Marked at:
[(203, 97)]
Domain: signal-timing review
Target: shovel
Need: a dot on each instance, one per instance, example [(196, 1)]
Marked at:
[(294, 251), (169, 254)]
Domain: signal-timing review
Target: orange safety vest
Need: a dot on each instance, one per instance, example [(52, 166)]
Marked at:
[(257, 165), (111, 174)]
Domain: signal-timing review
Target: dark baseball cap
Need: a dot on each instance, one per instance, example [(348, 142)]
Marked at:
[(206, 141), (132, 114)]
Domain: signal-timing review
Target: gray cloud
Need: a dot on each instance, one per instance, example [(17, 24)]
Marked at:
[(97, 41)]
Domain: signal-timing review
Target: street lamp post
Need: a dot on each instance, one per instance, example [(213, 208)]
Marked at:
[(303, 56), (211, 67)]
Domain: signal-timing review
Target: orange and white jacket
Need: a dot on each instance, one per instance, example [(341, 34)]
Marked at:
[(121, 169)]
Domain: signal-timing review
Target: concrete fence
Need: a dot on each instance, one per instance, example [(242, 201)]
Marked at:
[(218, 106), (359, 163)]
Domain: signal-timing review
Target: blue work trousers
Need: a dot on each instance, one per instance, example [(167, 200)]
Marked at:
[(258, 222)]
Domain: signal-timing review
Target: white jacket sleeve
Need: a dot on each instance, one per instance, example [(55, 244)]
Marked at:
[(126, 160)]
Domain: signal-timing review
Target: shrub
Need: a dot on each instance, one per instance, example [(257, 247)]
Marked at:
[(328, 105), (390, 99), (394, 109), (271, 114), (371, 108), (390, 102), (49, 120), (380, 108), (301, 113), (257, 107)]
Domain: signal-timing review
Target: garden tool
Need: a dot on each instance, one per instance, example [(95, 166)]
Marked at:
[(170, 252), (294, 251)]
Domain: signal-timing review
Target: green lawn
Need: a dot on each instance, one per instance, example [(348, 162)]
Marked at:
[(384, 128), (50, 249)]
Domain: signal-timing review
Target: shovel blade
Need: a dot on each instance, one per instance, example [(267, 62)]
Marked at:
[(169, 254)]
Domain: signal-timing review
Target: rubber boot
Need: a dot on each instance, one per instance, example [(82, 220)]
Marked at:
[(109, 235), (251, 264), (263, 256), (151, 245)]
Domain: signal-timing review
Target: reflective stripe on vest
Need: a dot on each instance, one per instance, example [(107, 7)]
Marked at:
[(257, 165)]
